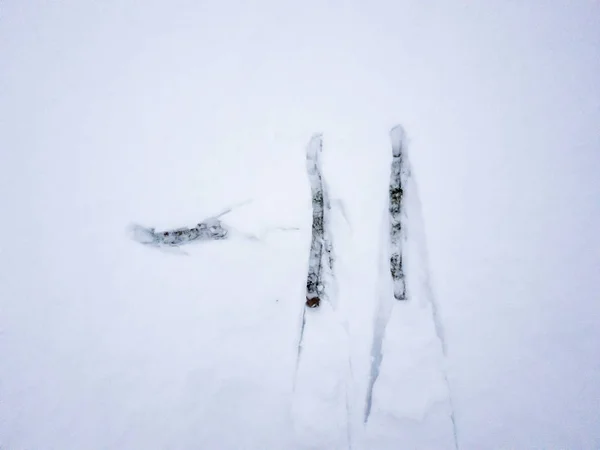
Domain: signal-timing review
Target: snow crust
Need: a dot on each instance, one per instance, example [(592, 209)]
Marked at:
[(114, 113)]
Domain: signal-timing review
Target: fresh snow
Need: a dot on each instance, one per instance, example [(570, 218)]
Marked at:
[(121, 121), (409, 398)]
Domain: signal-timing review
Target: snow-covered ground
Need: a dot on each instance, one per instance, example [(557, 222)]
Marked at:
[(121, 112)]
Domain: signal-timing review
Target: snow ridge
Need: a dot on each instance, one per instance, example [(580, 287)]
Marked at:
[(429, 297), (393, 247), (406, 258), (322, 403), (417, 219), (382, 317), (398, 177), (414, 211), (321, 250)]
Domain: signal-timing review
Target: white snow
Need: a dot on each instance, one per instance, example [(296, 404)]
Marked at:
[(410, 399), (115, 112)]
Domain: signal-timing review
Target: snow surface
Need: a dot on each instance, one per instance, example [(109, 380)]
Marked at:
[(121, 112)]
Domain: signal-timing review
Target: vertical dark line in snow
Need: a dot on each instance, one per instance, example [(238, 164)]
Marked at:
[(428, 285), (376, 358), (348, 420), (320, 241), (299, 348), (381, 319), (452, 412), (398, 176), (392, 245)]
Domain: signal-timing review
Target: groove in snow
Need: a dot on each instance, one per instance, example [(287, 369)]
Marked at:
[(321, 249)]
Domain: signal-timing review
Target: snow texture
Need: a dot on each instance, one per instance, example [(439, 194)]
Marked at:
[(409, 398), (321, 408), (160, 114)]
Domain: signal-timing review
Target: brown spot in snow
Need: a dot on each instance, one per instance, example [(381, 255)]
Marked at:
[(313, 302)]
